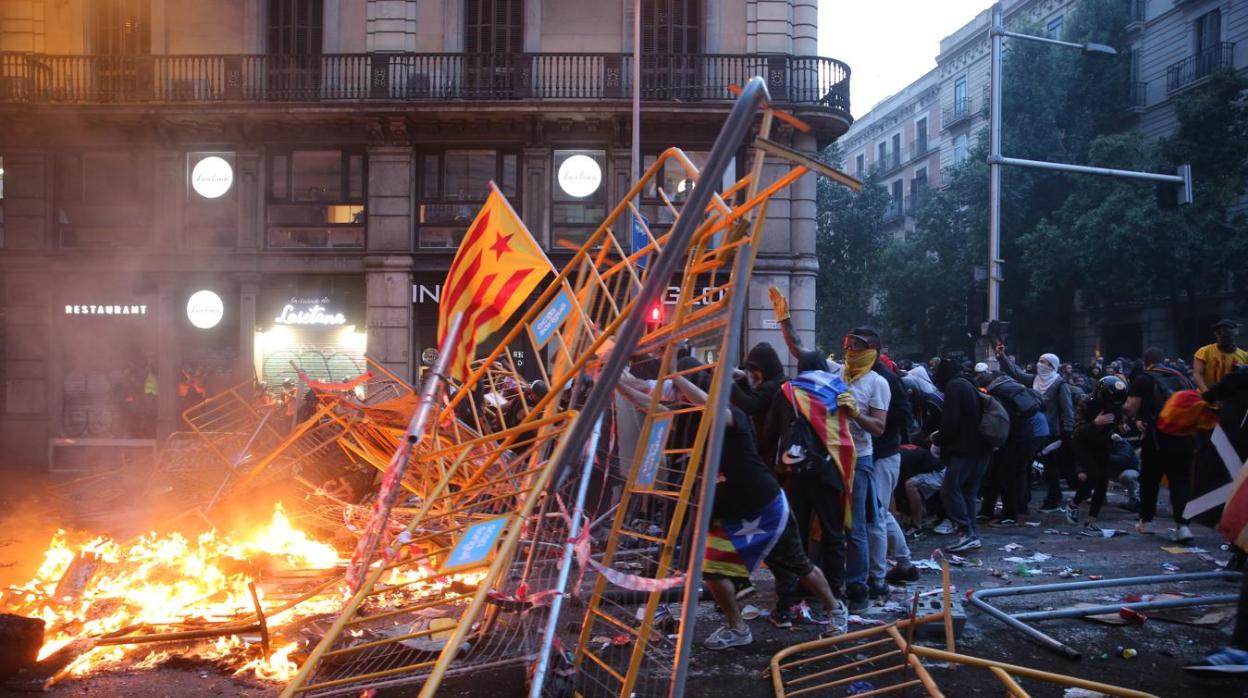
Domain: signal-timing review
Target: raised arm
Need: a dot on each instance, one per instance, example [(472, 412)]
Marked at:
[(780, 305)]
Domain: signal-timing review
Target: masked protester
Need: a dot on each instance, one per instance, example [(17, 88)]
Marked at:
[(964, 451), (755, 385), (867, 402), (1214, 361), (1099, 418), (1059, 413)]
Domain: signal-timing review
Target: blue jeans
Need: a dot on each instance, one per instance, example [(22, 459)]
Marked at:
[(961, 490), (858, 553)]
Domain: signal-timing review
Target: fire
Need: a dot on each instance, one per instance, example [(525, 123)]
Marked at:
[(90, 588)]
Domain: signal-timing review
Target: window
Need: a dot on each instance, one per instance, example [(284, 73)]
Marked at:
[(296, 27), (896, 150), (1053, 29), (859, 164), (316, 199), (920, 178), (494, 26), (1208, 31), (579, 194), (103, 199), (121, 27), (920, 136), (881, 151), (671, 26), (453, 185), (959, 149), (960, 101)]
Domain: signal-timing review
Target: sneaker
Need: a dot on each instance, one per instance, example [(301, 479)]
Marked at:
[(726, 637), (902, 573), (1144, 528), (1051, 507), (858, 597), (811, 615), (1071, 512), (877, 589), (943, 528), (1227, 660), (838, 622), (1183, 535), (964, 544), (782, 617), (1090, 528)]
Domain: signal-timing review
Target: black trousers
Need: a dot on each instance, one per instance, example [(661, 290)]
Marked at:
[(1054, 465), (1094, 461), (1006, 479), (1168, 456), (811, 500)]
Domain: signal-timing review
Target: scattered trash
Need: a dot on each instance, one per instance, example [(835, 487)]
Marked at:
[(1103, 533), (960, 561), (1033, 524), (1129, 653), (999, 574), (859, 620), (750, 612), (927, 565), (1168, 567), (1181, 550), (1131, 615), (1055, 531), (1083, 692), (1036, 557), (858, 687), (893, 607), (1068, 572), (1011, 547), (1206, 557), (1024, 571), (1095, 577)]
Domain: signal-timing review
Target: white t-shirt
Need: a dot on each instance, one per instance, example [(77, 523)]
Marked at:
[(870, 392)]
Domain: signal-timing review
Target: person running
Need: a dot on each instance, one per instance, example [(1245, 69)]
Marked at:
[(1160, 454), (1213, 361), (964, 451), (1059, 411), (1098, 418)]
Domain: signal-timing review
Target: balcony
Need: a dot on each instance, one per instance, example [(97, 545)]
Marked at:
[(918, 198), (803, 81), (893, 211), (919, 148), (1135, 15), (888, 163), (1216, 58), (959, 113)]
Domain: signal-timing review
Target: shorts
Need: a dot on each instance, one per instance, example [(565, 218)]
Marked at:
[(737, 547), (928, 484)]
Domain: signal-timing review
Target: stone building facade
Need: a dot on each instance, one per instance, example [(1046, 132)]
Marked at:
[(313, 164)]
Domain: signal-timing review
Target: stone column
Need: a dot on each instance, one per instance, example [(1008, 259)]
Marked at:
[(248, 291), (389, 198), (168, 357), (806, 27), (769, 26), (535, 207), (389, 297), (249, 188), (391, 25)]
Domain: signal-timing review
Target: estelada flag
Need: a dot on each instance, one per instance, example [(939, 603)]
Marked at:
[(496, 268), (813, 394)]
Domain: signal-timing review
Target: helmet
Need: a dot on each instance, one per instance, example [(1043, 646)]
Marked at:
[(1111, 390)]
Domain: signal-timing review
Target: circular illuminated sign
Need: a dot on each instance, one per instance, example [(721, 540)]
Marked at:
[(211, 178), (580, 176), (205, 309)]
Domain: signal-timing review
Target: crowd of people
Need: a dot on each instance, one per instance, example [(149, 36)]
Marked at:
[(828, 475)]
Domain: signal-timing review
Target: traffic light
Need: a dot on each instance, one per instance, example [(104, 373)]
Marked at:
[(1171, 195), (655, 315)]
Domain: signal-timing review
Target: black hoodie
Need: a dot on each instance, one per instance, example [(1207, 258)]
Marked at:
[(959, 420), (755, 402)]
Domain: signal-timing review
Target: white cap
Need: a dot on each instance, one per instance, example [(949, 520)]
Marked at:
[(981, 367)]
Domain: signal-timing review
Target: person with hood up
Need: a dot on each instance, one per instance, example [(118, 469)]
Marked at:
[(1059, 412), (964, 451), (1100, 416), (755, 385)]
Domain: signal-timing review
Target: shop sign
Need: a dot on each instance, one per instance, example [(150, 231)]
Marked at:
[(309, 311), (205, 309), (422, 293), (551, 318), (580, 176), (106, 310), (212, 177)]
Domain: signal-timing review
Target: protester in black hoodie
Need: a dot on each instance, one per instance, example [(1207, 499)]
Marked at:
[(755, 387), (964, 451)]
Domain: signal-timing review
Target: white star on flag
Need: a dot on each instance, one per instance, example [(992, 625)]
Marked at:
[(1218, 497), (749, 529)]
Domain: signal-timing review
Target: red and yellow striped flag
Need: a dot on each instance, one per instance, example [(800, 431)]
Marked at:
[(813, 394), (496, 268)]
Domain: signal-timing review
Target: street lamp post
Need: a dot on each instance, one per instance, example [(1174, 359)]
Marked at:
[(996, 160)]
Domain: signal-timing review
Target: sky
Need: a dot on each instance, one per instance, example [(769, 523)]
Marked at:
[(888, 44)]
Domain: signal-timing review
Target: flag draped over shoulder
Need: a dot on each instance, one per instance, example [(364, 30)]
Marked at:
[(814, 393), (496, 268)]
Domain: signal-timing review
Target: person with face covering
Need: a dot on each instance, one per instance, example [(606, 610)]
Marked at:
[(754, 387), (1214, 361), (964, 451), (1059, 412)]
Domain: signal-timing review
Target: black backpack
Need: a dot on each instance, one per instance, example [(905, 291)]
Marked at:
[(1020, 401), (1166, 382), (799, 450)]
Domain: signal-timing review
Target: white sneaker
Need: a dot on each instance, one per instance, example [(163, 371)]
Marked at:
[(1144, 528), (944, 528), (1183, 535), (838, 622), (726, 637)]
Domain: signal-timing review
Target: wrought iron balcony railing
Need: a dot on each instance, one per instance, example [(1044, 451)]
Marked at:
[(919, 148), (796, 80), (958, 113), (1218, 57)]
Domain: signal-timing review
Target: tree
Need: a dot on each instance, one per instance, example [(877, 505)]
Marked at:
[(850, 241)]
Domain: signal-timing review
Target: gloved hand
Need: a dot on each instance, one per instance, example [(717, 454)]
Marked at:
[(779, 303), (846, 401)]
